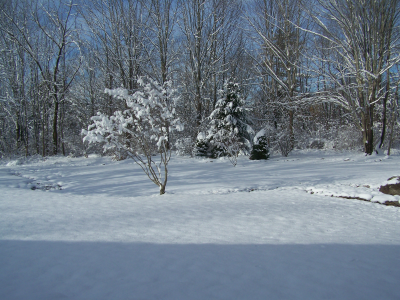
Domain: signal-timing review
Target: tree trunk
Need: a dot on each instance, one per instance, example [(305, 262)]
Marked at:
[(384, 118), (368, 133), (384, 121), (18, 131), (44, 130), (391, 137), (162, 189), (291, 131), (55, 133), (395, 100), (198, 106)]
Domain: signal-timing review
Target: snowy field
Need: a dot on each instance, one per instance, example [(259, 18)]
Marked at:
[(92, 228)]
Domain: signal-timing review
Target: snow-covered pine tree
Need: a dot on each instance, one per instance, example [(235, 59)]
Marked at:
[(260, 146), (201, 147), (229, 132), (142, 130)]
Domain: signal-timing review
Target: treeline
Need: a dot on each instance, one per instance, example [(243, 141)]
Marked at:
[(321, 73)]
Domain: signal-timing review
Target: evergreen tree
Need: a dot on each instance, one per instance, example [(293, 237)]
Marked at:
[(260, 147), (202, 146), (229, 132)]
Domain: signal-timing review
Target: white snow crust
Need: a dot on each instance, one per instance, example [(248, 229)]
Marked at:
[(93, 228)]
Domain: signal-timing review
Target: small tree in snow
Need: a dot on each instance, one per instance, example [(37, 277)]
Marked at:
[(143, 130), (229, 132), (201, 147), (260, 146)]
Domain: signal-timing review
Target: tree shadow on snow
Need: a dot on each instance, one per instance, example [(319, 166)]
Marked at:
[(103, 270)]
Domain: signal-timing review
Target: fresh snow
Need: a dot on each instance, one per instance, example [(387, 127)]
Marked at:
[(93, 228)]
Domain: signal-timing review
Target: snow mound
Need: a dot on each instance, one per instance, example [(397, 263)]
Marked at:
[(360, 192)]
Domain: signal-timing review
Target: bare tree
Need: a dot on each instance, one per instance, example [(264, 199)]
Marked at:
[(47, 36), (14, 66), (115, 34), (160, 46), (212, 42), (364, 36), (281, 44)]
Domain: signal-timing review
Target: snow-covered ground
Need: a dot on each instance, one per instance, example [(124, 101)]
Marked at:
[(92, 228)]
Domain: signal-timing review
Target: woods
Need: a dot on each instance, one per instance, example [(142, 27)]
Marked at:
[(312, 74)]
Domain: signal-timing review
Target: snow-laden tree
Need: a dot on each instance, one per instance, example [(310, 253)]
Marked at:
[(260, 148), (229, 132), (142, 131)]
